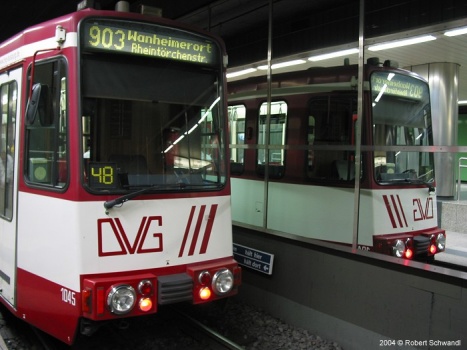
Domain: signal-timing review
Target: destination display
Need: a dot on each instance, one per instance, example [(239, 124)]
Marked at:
[(153, 41), (398, 85)]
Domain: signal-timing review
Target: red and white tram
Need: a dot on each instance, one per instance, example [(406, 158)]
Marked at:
[(115, 196), (305, 149)]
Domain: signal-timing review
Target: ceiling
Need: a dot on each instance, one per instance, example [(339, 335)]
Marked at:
[(301, 28), (228, 16)]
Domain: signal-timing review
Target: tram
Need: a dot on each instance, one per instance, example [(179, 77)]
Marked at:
[(114, 184), (294, 161)]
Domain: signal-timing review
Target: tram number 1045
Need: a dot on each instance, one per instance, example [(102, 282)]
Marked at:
[(68, 296)]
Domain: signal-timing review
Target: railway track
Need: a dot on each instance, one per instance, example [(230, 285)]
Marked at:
[(172, 328), (215, 340)]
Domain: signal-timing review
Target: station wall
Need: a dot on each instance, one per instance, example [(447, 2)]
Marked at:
[(354, 300)]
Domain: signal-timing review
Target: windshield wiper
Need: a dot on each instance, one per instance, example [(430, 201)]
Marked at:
[(122, 199), (179, 186), (430, 186)]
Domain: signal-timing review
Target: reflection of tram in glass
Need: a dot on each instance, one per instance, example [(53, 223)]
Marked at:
[(119, 202), (306, 150)]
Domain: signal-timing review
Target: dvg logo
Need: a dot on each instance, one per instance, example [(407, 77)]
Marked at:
[(113, 238)]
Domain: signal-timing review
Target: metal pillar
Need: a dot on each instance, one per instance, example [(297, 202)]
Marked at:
[(443, 79)]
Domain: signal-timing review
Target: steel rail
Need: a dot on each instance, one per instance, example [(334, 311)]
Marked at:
[(217, 339)]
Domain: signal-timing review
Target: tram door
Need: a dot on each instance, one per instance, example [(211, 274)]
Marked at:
[(10, 108)]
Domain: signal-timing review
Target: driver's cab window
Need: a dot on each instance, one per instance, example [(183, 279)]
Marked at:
[(46, 127)]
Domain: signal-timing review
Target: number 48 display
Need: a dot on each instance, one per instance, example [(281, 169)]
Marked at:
[(102, 175)]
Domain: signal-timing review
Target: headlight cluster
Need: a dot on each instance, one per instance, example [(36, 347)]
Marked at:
[(402, 249), (221, 283), (122, 298), (103, 299)]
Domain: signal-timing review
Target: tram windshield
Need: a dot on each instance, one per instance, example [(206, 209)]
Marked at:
[(401, 117), (148, 121)]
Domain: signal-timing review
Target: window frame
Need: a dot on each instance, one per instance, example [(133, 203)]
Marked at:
[(275, 171), (51, 174), (8, 143), (237, 154)]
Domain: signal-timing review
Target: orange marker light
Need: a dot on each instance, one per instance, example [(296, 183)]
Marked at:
[(432, 249), (204, 293), (145, 304), (409, 253)]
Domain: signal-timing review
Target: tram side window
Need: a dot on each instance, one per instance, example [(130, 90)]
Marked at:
[(8, 93), (277, 127), (237, 137), (46, 130), (330, 126)]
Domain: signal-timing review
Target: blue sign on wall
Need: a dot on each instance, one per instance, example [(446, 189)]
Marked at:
[(254, 259)]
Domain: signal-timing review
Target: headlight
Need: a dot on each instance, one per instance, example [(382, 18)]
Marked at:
[(441, 241), (121, 299), (398, 249), (222, 282)]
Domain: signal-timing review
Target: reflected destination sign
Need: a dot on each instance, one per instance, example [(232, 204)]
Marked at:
[(398, 85), (154, 41)]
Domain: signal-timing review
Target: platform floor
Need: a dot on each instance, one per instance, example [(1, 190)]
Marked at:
[(452, 212), (456, 249), (452, 215)]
